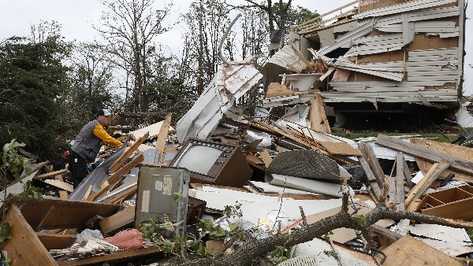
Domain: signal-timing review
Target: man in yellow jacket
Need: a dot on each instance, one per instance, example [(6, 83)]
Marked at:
[(87, 145)]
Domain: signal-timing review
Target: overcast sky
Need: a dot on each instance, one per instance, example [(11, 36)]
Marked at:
[(78, 17)]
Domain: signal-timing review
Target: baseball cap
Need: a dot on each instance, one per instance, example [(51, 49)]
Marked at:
[(104, 112)]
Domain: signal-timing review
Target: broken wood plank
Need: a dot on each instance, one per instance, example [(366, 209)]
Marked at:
[(88, 193), (318, 117), (120, 161), (454, 151), (373, 183), (161, 141), (118, 220), (56, 241), (368, 154), (122, 195), (24, 247), (396, 194), (59, 184), (64, 195), (266, 158), (419, 189), (116, 177), (422, 152), (52, 174)]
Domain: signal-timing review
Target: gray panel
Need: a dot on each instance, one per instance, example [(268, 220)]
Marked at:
[(163, 192)]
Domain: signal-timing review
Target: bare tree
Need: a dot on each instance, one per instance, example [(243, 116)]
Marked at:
[(130, 28), (206, 22)]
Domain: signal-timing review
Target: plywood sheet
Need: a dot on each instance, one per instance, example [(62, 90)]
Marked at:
[(408, 251)]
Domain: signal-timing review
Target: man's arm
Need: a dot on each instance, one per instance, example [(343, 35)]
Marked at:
[(101, 133)]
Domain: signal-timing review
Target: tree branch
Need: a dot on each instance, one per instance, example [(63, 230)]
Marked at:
[(254, 249)]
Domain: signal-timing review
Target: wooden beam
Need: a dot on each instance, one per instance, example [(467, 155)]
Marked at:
[(59, 184), (24, 247), (371, 179), (318, 117), (118, 220), (161, 141), (64, 195), (454, 151), (396, 186), (116, 199), (419, 189), (115, 177), (368, 154), (422, 152), (52, 174), (120, 161)]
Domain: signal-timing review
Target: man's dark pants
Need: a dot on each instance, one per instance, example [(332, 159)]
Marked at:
[(78, 168)]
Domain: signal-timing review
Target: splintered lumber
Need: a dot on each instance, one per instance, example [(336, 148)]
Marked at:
[(266, 158), (409, 251), (116, 177), (120, 161), (396, 186), (52, 174), (122, 195), (419, 189), (161, 141), (64, 195), (24, 247), (59, 184), (454, 151), (318, 118), (371, 179), (118, 220), (422, 152), (368, 154)]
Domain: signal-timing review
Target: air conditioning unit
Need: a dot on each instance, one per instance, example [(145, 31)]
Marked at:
[(163, 193)]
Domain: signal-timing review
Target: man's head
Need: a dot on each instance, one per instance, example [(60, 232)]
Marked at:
[(104, 116)]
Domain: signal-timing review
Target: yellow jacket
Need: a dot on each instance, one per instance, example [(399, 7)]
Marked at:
[(100, 132)]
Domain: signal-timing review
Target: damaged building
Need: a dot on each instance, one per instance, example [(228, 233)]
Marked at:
[(374, 56)]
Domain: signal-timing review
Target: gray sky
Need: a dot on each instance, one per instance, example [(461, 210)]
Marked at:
[(77, 18)]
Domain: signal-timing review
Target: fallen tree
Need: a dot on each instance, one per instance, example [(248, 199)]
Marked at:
[(253, 249)]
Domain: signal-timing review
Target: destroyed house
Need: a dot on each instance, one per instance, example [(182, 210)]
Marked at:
[(373, 55)]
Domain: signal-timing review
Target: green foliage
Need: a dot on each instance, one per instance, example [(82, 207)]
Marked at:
[(31, 192), (5, 232), (32, 80), (12, 164), (279, 254)]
